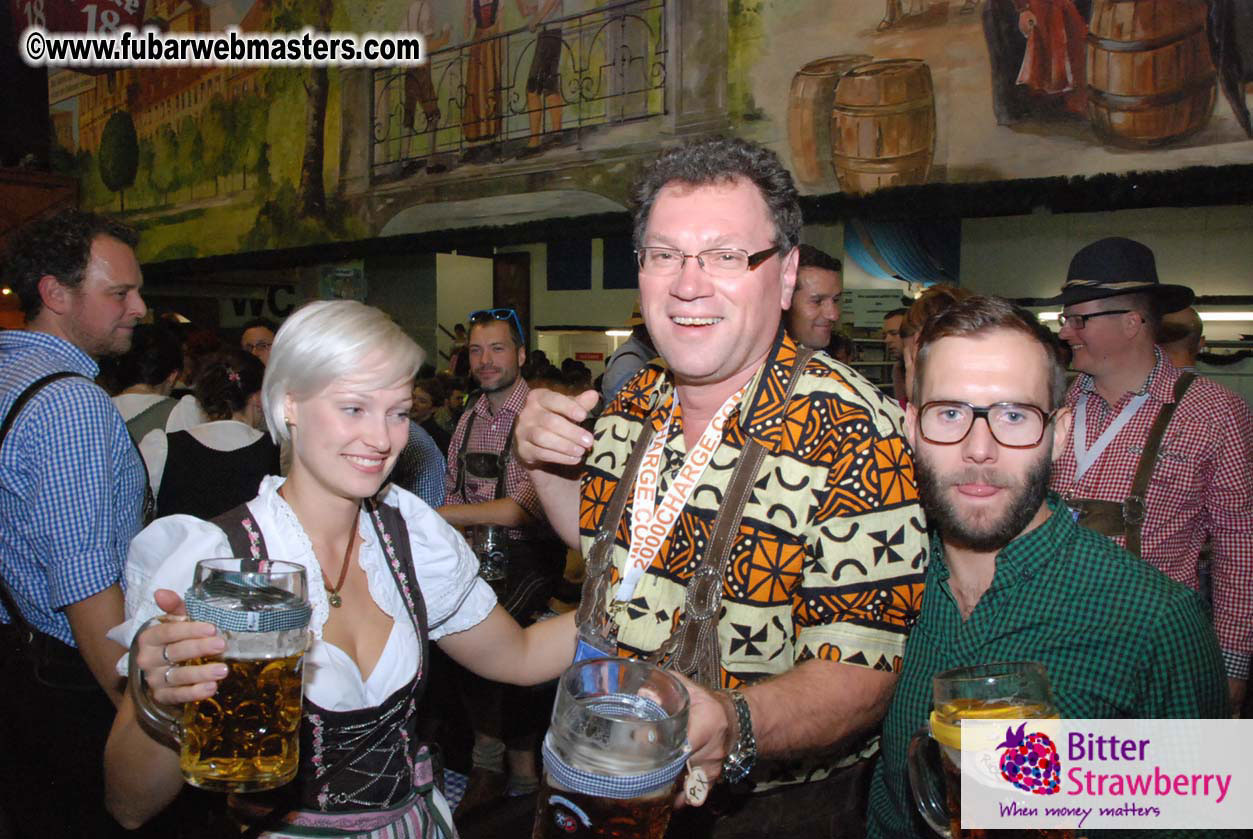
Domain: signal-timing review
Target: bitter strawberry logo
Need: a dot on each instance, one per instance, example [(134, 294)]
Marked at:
[(1030, 761)]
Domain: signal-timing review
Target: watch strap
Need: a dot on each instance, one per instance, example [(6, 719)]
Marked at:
[(739, 762)]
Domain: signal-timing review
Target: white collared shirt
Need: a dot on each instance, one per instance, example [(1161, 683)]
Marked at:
[(165, 553)]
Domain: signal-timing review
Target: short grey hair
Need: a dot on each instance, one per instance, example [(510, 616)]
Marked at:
[(328, 340), (717, 160)]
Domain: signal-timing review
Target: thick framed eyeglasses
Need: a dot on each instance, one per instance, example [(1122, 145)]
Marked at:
[(1013, 424), (256, 346), (716, 262), (1079, 321), (509, 315)]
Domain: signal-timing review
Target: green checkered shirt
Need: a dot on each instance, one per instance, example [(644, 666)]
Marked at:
[(1118, 637)]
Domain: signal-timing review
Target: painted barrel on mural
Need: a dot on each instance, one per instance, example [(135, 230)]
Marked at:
[(1150, 77), (883, 125), (809, 115)]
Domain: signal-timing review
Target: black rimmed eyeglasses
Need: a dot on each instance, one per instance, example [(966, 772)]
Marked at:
[(717, 262), (508, 315), (1079, 321), (1013, 424)]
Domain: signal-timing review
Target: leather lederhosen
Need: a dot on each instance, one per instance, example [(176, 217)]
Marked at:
[(692, 648), (534, 564), (1113, 519), (359, 763)]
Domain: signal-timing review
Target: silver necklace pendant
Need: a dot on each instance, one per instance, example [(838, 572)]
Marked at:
[(335, 600)]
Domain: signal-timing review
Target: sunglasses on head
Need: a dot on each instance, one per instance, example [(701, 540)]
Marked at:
[(509, 315)]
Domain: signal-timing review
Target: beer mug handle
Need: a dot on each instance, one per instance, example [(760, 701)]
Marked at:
[(926, 781), (160, 724)]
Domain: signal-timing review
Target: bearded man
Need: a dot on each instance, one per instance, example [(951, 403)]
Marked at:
[(1012, 577)]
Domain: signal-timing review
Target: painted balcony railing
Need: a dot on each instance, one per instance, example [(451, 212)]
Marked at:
[(511, 94)]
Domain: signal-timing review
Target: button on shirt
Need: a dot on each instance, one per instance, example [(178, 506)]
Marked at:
[(489, 435), (71, 483), (1202, 486), (1119, 640), (830, 556)]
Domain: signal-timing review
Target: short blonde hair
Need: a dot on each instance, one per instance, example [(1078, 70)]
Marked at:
[(328, 340)]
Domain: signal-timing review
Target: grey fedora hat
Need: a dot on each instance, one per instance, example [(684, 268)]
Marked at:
[(1113, 266)]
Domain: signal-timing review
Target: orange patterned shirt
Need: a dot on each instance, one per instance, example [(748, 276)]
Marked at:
[(832, 547)]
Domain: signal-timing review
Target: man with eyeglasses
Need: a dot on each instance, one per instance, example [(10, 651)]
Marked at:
[(257, 337), (487, 487), (1012, 577), (1159, 459), (746, 508)]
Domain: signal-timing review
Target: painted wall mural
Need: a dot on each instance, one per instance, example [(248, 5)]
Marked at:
[(208, 160), (549, 104), (917, 91), (508, 79), (212, 160)]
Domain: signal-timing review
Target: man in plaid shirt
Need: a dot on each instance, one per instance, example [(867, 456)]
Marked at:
[(71, 499), (1012, 577), (486, 485), (1201, 489)]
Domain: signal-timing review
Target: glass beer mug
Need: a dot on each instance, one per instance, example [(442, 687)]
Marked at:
[(244, 738), (490, 545), (1005, 690), (616, 746)]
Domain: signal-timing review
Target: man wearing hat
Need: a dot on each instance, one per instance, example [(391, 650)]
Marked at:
[(1158, 459)]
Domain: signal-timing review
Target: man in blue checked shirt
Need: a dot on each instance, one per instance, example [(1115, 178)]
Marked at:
[(420, 467), (71, 496)]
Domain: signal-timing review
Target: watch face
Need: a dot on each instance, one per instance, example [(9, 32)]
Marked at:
[(733, 771)]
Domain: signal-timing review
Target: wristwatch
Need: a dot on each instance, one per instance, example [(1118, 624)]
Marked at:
[(739, 762)]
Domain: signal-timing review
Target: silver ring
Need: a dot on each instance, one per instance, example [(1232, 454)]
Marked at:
[(165, 654), (167, 676)]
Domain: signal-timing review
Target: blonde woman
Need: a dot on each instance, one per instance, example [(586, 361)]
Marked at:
[(386, 575)]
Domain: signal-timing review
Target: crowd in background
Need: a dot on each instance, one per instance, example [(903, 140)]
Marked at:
[(977, 432)]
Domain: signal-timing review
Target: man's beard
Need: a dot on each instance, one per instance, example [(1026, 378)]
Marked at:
[(506, 381), (988, 534)]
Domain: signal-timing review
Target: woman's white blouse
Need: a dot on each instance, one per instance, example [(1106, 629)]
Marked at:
[(165, 553)]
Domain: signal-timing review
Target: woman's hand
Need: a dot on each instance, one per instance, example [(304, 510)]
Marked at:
[(164, 646)]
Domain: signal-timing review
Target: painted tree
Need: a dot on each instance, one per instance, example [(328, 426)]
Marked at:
[(311, 192), (190, 155), (147, 158), (264, 181), (250, 125), (216, 129), (165, 162), (119, 154)]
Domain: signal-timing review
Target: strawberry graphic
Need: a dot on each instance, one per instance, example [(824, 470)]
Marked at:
[(1030, 762)]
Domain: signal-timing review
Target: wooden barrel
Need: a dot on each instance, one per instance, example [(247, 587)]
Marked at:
[(809, 115), (883, 125), (1150, 77)]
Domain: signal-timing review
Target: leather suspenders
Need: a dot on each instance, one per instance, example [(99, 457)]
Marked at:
[(692, 649), (1111, 518)]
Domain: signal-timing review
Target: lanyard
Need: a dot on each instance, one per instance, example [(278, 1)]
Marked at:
[(1085, 457), (651, 520)]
